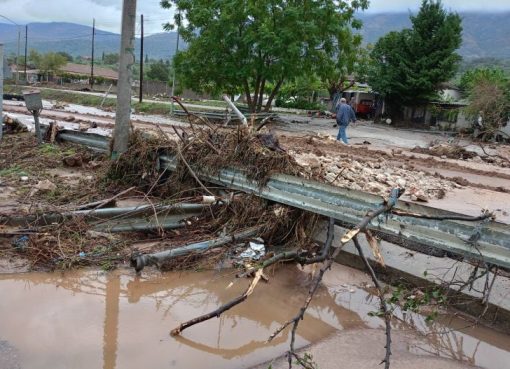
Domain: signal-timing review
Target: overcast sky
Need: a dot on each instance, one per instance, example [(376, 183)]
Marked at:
[(107, 12)]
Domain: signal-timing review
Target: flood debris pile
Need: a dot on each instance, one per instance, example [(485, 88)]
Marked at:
[(376, 177), (144, 213), (171, 210), (456, 151)]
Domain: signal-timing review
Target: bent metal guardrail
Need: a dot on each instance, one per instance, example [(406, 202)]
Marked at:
[(349, 206)]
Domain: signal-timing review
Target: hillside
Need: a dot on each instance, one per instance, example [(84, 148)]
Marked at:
[(75, 39), (485, 36)]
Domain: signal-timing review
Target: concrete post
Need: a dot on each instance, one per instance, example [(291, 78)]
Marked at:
[(127, 59), (1, 90), (173, 66)]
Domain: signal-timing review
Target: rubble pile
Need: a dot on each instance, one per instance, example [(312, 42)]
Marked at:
[(377, 176)]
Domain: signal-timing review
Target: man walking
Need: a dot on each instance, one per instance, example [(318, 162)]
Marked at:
[(344, 115)]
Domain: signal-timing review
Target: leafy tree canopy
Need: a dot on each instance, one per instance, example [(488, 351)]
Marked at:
[(48, 63), (409, 66), (488, 90), (158, 71), (242, 46), (67, 56), (111, 59)]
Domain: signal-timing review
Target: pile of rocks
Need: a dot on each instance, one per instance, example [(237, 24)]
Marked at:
[(377, 176)]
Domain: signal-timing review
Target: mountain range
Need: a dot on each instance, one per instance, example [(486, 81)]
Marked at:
[(76, 39), (485, 35)]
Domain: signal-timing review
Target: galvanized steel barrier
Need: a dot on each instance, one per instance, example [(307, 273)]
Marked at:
[(349, 206)]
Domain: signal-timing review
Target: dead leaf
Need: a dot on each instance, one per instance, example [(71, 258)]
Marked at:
[(376, 247)]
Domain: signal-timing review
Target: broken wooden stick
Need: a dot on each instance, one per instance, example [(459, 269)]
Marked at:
[(102, 203), (191, 114), (384, 306), (179, 152), (221, 309)]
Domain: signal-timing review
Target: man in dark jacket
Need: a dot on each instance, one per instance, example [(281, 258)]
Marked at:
[(344, 115)]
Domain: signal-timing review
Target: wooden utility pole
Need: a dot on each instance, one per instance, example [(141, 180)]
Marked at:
[(92, 60), (17, 56), (26, 51), (127, 59), (141, 62)]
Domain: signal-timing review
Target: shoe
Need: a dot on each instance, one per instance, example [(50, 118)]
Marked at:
[(335, 125)]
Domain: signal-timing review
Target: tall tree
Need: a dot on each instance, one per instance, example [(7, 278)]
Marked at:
[(158, 71), (249, 45), (49, 63), (409, 66), (349, 66)]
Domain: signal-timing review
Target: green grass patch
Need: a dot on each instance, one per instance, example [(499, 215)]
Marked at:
[(13, 170), (152, 108), (55, 151)]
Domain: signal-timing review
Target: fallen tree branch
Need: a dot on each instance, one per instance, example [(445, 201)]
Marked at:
[(192, 172), (192, 114), (384, 306), (384, 208), (221, 309), (494, 155), (102, 203)]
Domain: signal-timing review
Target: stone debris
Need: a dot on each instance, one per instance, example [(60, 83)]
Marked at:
[(43, 186), (377, 176), (60, 105)]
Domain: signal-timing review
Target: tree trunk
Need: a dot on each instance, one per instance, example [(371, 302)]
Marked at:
[(273, 94), (253, 107), (247, 92), (261, 95)]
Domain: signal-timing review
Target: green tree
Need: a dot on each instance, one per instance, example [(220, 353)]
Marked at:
[(49, 63), (158, 71), (110, 59), (350, 66), (67, 56), (488, 91), (246, 46), (408, 66)]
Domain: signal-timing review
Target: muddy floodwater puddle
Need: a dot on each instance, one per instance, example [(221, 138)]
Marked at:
[(91, 319)]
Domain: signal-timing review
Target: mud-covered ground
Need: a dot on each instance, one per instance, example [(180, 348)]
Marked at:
[(379, 158), (446, 172)]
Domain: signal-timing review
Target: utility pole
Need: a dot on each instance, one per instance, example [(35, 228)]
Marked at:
[(92, 61), (141, 62), (17, 56), (173, 66), (127, 59), (26, 51)]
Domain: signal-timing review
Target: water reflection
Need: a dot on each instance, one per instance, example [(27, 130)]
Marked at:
[(132, 318)]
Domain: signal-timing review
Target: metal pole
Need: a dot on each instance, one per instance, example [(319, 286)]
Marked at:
[(240, 115), (141, 63), (1, 90), (92, 59), (38, 132), (173, 66), (26, 51), (127, 59)]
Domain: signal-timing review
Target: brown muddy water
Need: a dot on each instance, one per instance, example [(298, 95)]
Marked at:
[(91, 319)]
